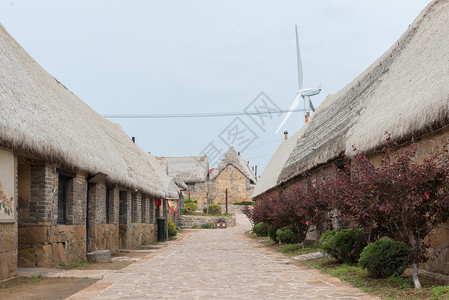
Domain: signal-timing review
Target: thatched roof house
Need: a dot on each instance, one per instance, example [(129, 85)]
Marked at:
[(40, 117), (404, 92), (190, 169), (231, 157), (271, 173)]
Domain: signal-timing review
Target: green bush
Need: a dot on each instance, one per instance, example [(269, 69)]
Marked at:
[(260, 229), (326, 236), (272, 233), (345, 245), (191, 200), (214, 209), (287, 236), (207, 225), (171, 228), (244, 203), (384, 258), (189, 208), (205, 210)]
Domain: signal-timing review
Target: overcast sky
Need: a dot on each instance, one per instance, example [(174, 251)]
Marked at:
[(158, 57)]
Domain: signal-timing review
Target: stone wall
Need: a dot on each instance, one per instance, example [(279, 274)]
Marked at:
[(196, 191), (105, 236), (187, 221), (8, 250), (136, 234), (237, 184), (47, 245)]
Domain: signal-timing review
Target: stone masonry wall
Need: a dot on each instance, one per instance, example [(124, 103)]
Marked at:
[(189, 221), (196, 191), (238, 186), (42, 242), (50, 245), (8, 250)]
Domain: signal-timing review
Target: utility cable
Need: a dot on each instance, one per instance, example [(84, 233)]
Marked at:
[(195, 115)]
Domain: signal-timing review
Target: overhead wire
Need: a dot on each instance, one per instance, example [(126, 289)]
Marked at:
[(196, 115)]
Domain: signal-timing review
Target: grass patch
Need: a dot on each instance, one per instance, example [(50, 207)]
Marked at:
[(389, 288), (20, 281), (296, 249), (77, 265), (207, 226)]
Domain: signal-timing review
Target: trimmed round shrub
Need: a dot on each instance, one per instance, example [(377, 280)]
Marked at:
[(326, 236), (189, 208), (214, 209), (272, 233), (384, 258), (171, 228), (287, 236), (345, 245), (260, 229)]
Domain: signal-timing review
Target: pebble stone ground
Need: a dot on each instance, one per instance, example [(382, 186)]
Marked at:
[(221, 264)]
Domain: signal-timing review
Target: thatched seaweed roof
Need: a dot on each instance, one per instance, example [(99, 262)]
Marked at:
[(271, 173), (405, 92), (190, 169), (231, 157), (40, 117)]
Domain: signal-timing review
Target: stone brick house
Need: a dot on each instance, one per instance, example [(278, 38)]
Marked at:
[(70, 180), (192, 170), (234, 177), (405, 92)]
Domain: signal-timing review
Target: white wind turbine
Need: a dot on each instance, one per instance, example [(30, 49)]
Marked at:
[(302, 93)]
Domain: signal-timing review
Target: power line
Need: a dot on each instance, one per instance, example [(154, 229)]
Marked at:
[(195, 115)]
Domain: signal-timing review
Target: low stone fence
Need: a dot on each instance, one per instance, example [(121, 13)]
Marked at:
[(231, 207), (189, 221)]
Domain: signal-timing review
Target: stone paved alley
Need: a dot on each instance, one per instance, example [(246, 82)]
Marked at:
[(221, 264)]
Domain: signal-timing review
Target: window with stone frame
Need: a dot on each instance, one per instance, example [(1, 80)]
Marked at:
[(109, 200), (123, 207), (135, 208), (65, 195), (152, 212), (143, 210)]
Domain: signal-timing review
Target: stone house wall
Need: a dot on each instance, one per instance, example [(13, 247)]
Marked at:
[(196, 191), (8, 238), (238, 185), (42, 241), (39, 238)]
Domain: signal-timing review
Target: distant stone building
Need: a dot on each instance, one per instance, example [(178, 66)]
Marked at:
[(234, 177), (192, 170)]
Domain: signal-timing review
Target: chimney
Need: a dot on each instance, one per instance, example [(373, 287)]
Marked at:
[(133, 139), (238, 153), (255, 171), (286, 134)]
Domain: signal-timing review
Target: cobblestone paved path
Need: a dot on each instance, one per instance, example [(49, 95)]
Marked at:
[(221, 264)]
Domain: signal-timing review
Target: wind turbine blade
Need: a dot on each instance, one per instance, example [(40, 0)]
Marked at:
[(298, 53), (294, 105), (308, 105)]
